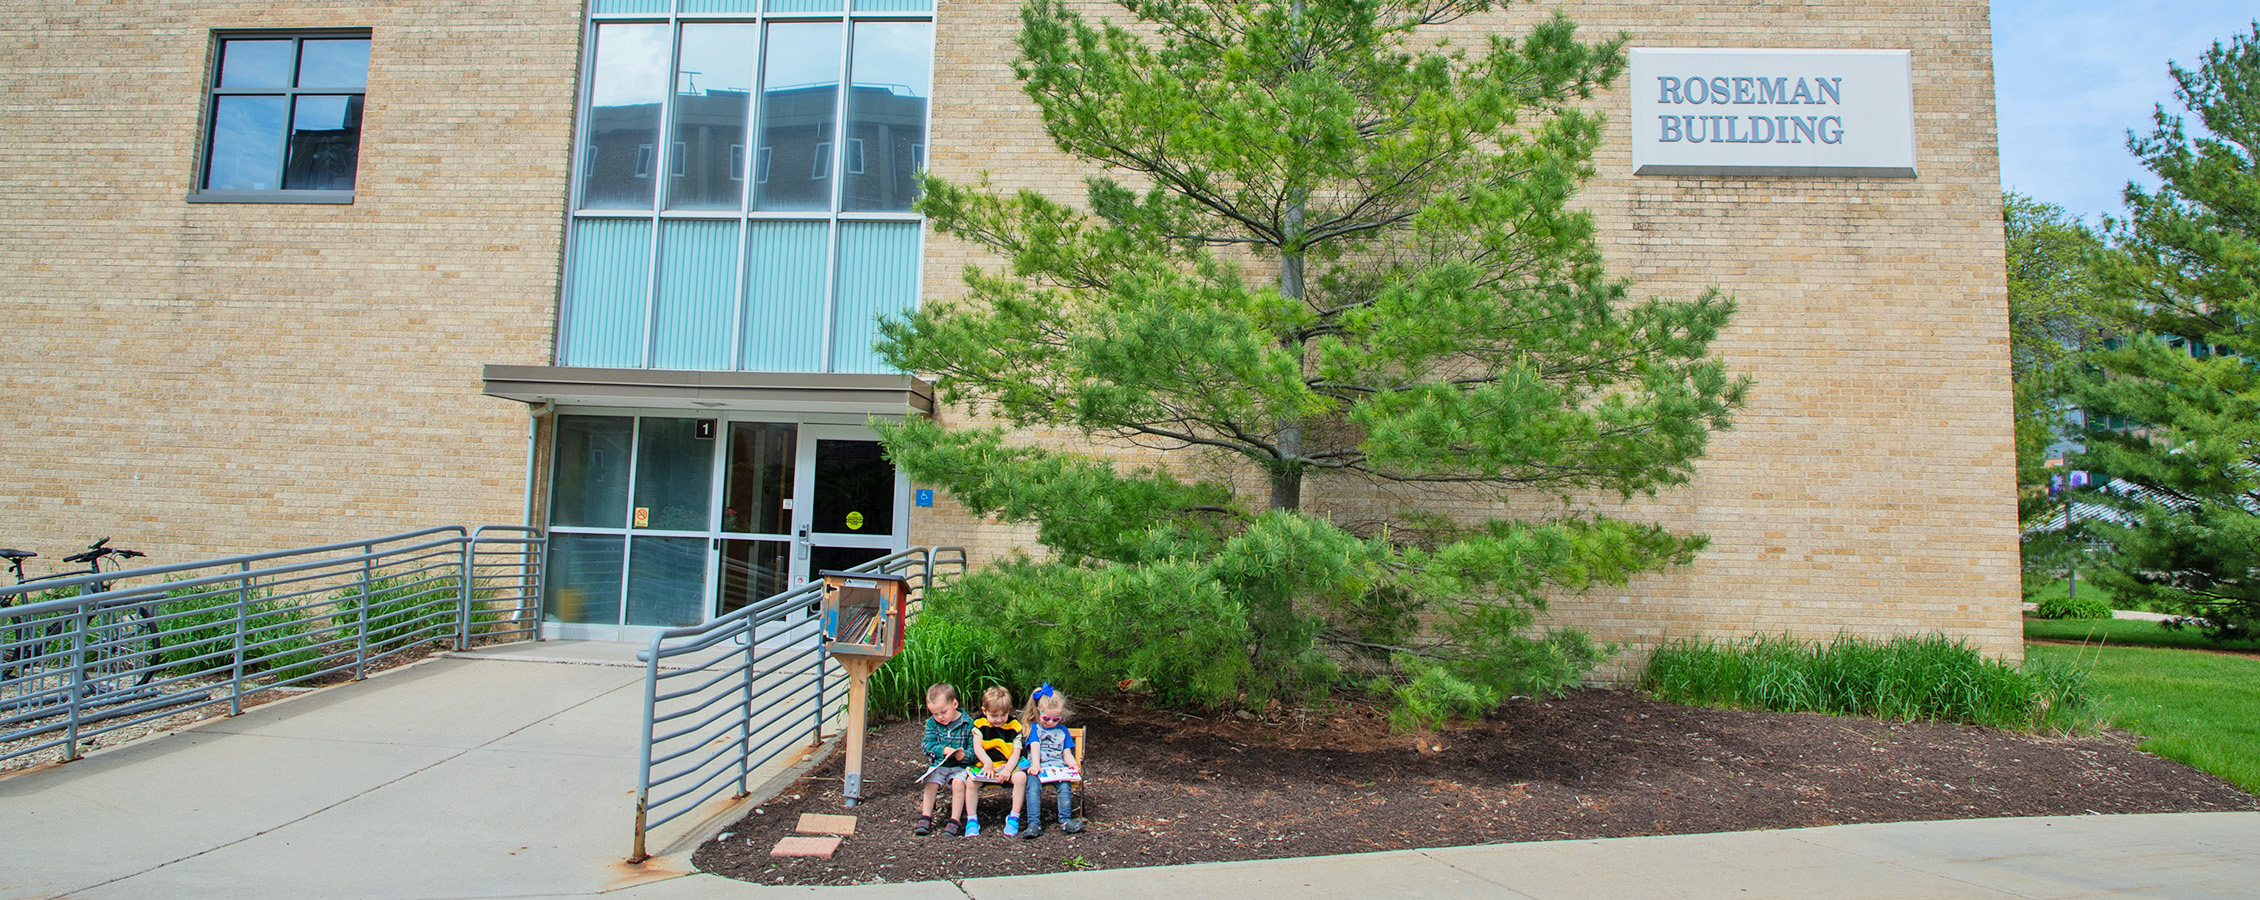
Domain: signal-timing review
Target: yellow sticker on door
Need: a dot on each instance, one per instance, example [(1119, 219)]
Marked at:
[(855, 521), (643, 517)]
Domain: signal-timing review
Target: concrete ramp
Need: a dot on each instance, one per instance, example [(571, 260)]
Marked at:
[(505, 772)]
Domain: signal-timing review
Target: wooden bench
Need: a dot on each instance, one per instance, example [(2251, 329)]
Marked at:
[(1081, 750)]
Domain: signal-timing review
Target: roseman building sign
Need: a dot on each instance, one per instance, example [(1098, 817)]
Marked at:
[(1773, 112)]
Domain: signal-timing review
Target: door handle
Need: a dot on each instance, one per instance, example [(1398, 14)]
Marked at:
[(800, 545)]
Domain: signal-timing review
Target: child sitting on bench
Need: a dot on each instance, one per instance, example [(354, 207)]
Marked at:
[(1050, 749)]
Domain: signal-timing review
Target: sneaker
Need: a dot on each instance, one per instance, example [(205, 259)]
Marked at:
[(1071, 826), (1011, 825), (923, 827), (973, 828), (1029, 833), (956, 827)]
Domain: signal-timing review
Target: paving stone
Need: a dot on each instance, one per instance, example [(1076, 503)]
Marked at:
[(820, 823), (806, 846)]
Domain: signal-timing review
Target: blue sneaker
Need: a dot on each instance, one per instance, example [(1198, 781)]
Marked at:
[(1011, 825), (973, 828)]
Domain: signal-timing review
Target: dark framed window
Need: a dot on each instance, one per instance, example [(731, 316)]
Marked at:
[(282, 119)]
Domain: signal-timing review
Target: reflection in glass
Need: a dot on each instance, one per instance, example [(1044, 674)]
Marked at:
[(713, 89), (334, 63), (246, 143), (325, 141), (667, 581), (855, 488), (590, 487), (761, 477), (583, 580), (625, 88), (254, 64), (891, 77), (752, 570), (674, 476), (800, 75)]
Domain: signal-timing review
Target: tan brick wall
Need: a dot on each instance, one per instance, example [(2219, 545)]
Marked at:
[(197, 379), (1868, 485)]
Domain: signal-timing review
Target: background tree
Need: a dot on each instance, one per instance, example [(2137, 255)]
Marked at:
[(2054, 313), (1329, 250), (2184, 387)]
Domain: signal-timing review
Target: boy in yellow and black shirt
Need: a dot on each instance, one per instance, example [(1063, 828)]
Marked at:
[(997, 734)]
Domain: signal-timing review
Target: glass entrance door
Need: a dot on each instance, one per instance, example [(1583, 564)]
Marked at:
[(660, 521)]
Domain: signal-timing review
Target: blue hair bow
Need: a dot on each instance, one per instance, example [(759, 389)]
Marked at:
[(1041, 692)]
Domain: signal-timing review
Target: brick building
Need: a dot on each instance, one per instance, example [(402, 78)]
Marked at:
[(284, 273)]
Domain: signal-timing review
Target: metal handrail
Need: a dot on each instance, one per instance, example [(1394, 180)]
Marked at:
[(75, 668), (728, 670)]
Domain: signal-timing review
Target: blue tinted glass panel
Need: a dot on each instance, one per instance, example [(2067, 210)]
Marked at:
[(878, 276), (604, 303), (627, 7), (800, 89), (667, 582), (784, 322), (802, 6), (583, 580), (589, 482), (247, 143), (620, 150), (325, 142), (674, 475), (334, 63), (892, 75), (254, 64), (698, 280), (894, 5), (713, 93), (720, 6)]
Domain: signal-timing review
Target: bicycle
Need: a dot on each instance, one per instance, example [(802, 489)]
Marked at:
[(121, 641)]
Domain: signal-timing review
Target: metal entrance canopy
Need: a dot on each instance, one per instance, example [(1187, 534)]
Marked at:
[(892, 396)]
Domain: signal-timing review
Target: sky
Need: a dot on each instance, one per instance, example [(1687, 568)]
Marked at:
[(2072, 77)]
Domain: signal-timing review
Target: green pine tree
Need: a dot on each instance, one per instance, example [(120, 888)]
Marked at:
[(1324, 248), (2174, 406)]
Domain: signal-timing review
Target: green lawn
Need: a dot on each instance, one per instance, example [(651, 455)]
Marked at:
[(2127, 633), (2199, 708)]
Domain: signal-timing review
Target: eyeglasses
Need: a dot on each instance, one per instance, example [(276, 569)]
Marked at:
[(1049, 720)]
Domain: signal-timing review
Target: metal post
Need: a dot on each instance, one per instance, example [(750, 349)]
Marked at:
[(78, 679), (361, 614), (463, 616), (643, 772), (235, 675), (745, 715), (540, 556)]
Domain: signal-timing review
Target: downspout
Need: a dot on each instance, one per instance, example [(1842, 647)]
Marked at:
[(534, 414)]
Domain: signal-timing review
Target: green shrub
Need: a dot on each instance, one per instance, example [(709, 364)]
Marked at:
[(200, 621), (934, 651), (2089, 607), (403, 608), (1904, 678)]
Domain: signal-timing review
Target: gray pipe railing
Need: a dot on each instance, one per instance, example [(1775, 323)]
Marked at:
[(723, 698), (164, 640)]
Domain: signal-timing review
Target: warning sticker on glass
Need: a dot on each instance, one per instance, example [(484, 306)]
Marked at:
[(855, 521)]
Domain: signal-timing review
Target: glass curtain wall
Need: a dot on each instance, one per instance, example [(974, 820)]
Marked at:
[(744, 182)]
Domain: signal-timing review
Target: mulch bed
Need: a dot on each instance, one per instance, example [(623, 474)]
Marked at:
[(1168, 789)]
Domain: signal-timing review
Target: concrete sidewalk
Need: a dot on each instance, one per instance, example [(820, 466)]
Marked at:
[(503, 776)]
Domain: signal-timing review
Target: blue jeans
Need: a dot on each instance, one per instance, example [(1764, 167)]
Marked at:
[(1035, 806)]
